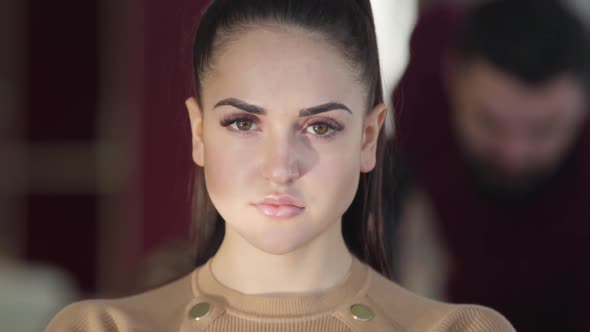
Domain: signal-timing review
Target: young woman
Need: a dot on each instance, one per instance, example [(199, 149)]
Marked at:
[(287, 127)]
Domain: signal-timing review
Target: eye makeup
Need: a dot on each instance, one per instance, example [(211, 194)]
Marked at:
[(229, 119), (245, 123), (333, 127)]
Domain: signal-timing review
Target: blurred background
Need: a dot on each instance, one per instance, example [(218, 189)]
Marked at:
[(95, 156), (94, 148)]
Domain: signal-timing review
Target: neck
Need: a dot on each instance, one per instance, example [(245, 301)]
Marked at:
[(321, 264)]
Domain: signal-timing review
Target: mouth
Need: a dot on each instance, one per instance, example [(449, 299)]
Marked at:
[(280, 207)]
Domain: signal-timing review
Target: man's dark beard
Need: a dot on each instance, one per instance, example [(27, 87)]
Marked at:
[(490, 181)]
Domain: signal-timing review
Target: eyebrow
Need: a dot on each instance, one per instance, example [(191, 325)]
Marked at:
[(242, 105)]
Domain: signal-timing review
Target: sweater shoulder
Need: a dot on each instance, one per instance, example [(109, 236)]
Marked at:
[(141, 312), (414, 313), (472, 318), (91, 315)]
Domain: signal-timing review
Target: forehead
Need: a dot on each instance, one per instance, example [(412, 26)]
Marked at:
[(500, 92), (287, 68)]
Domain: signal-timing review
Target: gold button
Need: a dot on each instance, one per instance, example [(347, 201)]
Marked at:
[(361, 312), (199, 311)]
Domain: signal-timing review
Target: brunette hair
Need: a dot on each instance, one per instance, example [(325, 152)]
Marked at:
[(346, 24)]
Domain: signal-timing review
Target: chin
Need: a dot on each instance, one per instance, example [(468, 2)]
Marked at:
[(278, 242), (278, 245)]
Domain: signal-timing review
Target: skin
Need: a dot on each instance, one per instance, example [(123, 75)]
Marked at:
[(284, 72), (515, 132)]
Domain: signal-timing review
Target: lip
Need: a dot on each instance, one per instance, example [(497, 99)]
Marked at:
[(281, 200), (280, 206)]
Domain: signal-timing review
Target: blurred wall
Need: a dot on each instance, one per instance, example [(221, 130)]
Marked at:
[(166, 146), (95, 134), (12, 26), (70, 95)]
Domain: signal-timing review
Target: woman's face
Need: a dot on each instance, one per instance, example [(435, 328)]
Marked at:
[(283, 136)]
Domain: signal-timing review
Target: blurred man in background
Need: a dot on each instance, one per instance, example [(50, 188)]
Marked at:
[(494, 128)]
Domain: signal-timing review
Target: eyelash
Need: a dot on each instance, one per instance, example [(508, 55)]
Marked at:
[(231, 119), (332, 125)]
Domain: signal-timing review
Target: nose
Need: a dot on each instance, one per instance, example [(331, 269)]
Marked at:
[(280, 164)]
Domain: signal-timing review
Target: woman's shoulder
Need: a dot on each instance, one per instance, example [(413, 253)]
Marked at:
[(412, 312), (153, 310)]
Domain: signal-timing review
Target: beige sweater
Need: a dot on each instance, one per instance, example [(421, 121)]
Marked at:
[(365, 301)]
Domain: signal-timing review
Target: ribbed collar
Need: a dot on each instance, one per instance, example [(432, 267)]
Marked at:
[(282, 305)]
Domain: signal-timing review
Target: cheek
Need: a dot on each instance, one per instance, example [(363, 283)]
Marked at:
[(228, 166), (334, 179), (550, 153), (344, 175), (476, 139), (468, 131)]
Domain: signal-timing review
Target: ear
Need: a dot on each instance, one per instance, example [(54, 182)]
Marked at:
[(371, 130), (196, 119)]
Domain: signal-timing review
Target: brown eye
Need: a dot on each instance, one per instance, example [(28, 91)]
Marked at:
[(244, 125), (240, 124), (320, 129)]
